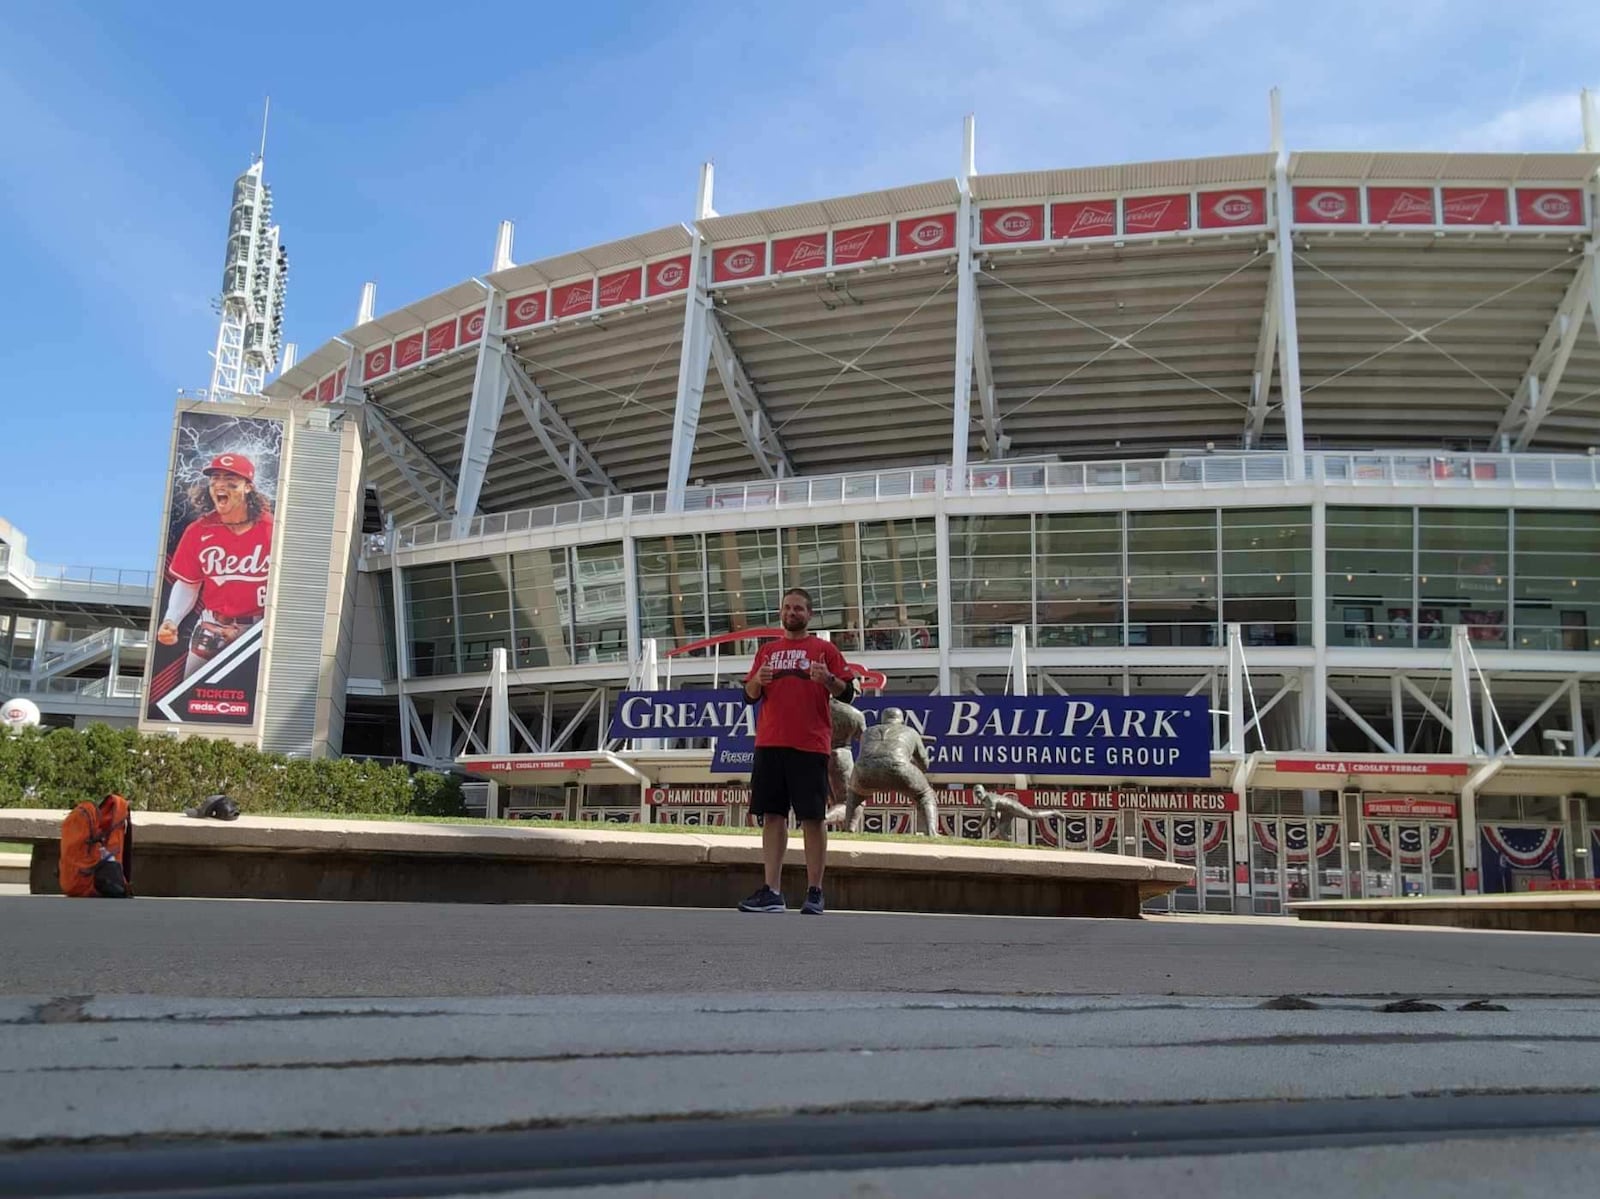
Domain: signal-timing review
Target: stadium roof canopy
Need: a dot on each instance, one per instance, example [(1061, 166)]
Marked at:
[(1120, 311)]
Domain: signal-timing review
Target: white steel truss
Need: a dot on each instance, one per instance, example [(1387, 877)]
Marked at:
[(568, 454), (966, 316), (995, 441), (1255, 423), (431, 482), (772, 458), (694, 358), (487, 406), (1288, 319), (1534, 395)]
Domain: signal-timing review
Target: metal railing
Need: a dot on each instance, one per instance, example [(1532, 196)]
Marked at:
[(20, 566), (13, 683), (1180, 473)]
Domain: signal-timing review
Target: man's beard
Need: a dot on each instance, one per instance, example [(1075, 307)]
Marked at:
[(796, 624)]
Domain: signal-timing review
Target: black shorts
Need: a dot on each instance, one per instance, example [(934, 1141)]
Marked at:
[(785, 779)]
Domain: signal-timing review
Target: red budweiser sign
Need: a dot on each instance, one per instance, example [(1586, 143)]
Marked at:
[(805, 253), (1476, 206), (573, 299), (624, 287), (408, 351), (1083, 218), (442, 338), (860, 245), (1400, 206), (1155, 214), (1017, 222)]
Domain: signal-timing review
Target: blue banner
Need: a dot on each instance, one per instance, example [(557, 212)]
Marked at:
[(1158, 736)]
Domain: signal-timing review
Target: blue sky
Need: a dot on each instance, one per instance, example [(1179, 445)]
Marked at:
[(403, 133)]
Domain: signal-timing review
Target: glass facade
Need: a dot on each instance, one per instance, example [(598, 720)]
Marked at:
[(1397, 577), (545, 607)]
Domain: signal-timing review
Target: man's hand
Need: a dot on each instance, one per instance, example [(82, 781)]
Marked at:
[(764, 675), (820, 674), (167, 634)]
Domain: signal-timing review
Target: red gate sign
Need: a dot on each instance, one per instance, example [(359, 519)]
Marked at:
[(512, 765), (1344, 766), (624, 287), (1017, 222), (1155, 214), (376, 364), (924, 234), (408, 351), (732, 263), (1083, 218), (522, 311), (669, 276), (860, 245), (574, 299), (1327, 206), (1549, 206), (441, 338), (1409, 807), (471, 327), (1476, 206), (1235, 209), (807, 253), (1400, 206)]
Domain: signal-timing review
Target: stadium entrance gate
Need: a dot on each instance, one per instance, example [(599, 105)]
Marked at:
[(1204, 842), (1294, 858)]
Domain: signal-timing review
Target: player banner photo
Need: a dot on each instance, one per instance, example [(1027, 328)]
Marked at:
[(216, 570)]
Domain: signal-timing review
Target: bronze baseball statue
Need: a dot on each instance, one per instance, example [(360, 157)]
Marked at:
[(1000, 812), (848, 724), (893, 759)]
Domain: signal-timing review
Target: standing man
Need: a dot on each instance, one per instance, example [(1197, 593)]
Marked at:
[(794, 678)]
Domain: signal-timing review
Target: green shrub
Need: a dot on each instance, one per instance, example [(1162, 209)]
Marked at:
[(62, 767)]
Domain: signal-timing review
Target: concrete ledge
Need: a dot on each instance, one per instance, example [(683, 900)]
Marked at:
[(1548, 912), (13, 868), (266, 857)]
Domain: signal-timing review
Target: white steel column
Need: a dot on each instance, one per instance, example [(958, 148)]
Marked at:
[(1288, 322), (1462, 741), (442, 730), (694, 359), (966, 316), (630, 594), (1580, 747), (1235, 691), (499, 723), (941, 529), (1316, 729), (483, 415)]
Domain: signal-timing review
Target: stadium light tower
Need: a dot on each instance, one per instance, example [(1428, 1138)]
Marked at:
[(255, 273)]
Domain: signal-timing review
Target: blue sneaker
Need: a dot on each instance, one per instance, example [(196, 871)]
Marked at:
[(813, 904), (764, 900)]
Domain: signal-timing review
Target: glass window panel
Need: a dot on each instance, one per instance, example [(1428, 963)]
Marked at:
[(483, 600), (430, 619), (1557, 565), (899, 584), (541, 604), (672, 592), (599, 604)]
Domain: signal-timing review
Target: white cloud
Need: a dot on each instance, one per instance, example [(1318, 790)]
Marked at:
[(1548, 122)]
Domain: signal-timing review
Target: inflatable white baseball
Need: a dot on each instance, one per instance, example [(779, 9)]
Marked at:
[(19, 714)]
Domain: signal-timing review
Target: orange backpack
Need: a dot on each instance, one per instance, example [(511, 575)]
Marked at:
[(96, 850)]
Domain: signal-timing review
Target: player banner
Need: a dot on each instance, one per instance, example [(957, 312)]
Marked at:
[(216, 565), (1166, 736)]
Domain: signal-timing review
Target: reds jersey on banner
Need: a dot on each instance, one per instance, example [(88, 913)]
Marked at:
[(1327, 206), (1476, 206), (860, 245), (1155, 214), (1083, 218), (471, 326), (441, 338), (522, 311), (624, 287), (1230, 209), (1400, 206), (408, 351), (1020, 222), (923, 234), (573, 299), (669, 276), (230, 568), (805, 253), (1549, 206), (376, 364), (738, 262)]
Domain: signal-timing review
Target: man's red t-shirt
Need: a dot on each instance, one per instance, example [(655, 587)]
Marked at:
[(230, 568), (794, 710)]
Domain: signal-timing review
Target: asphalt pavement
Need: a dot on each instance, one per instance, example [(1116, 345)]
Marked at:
[(266, 949)]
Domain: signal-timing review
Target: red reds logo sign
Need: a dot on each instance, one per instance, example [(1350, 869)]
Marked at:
[(522, 311), (737, 262), (1234, 208), (471, 326), (1327, 205), (1231, 209), (672, 275), (1012, 224), (926, 234), (921, 235), (376, 363), (325, 391), (740, 262), (1084, 218), (1546, 206)]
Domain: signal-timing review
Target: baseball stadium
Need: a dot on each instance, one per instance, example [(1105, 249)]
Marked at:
[(1310, 436)]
